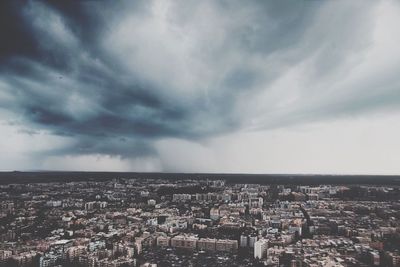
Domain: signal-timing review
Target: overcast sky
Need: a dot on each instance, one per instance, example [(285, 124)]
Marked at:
[(201, 86)]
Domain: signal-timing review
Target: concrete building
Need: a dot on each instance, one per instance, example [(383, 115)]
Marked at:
[(214, 214), (163, 241), (48, 260), (4, 256), (206, 244), (260, 248), (244, 241), (252, 241), (182, 241), (226, 245)]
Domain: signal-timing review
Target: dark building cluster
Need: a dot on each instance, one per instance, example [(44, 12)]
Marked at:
[(198, 222)]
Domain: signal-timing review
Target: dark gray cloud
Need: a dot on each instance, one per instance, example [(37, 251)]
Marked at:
[(117, 77), (42, 69)]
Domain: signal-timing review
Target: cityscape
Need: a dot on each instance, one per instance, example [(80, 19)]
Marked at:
[(135, 221), (211, 133)]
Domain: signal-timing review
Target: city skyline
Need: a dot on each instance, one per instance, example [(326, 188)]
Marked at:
[(191, 221), (225, 87)]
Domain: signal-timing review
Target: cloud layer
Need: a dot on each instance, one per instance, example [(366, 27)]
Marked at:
[(152, 85)]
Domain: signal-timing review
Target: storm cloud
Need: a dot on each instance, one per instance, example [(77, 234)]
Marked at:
[(154, 84)]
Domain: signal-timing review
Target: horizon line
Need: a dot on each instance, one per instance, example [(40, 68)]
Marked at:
[(198, 173)]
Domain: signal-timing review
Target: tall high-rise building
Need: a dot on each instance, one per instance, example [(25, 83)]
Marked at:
[(260, 248), (244, 241), (252, 240)]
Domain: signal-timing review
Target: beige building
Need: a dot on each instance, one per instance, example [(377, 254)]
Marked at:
[(182, 241), (206, 244), (163, 241), (226, 245)]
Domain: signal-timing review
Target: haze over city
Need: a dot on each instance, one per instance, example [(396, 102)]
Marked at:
[(200, 86)]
